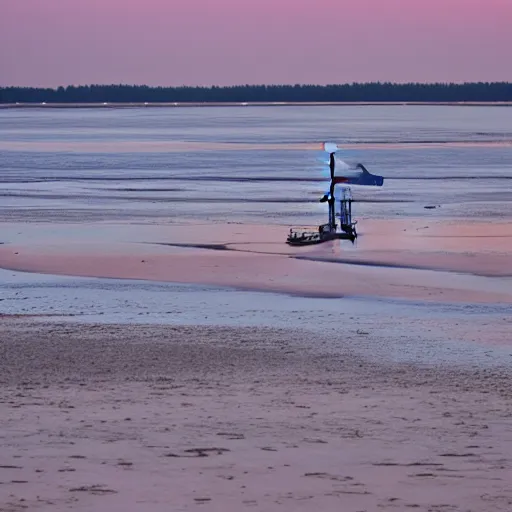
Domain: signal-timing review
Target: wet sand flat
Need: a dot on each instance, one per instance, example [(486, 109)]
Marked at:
[(124, 418), (414, 259)]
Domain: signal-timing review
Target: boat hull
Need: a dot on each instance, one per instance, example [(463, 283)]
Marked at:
[(318, 238)]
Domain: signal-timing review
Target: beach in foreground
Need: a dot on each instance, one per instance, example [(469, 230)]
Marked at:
[(191, 418)]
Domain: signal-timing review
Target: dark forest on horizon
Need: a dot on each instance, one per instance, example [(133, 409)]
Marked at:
[(354, 92)]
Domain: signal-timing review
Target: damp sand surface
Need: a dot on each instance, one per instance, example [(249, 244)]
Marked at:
[(416, 260), (130, 417)]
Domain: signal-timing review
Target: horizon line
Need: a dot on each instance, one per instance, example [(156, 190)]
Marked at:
[(297, 84)]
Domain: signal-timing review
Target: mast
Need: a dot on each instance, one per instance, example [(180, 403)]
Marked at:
[(331, 200)]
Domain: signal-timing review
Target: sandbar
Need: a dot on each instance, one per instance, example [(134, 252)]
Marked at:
[(438, 261)]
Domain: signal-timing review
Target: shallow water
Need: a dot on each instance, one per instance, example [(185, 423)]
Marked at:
[(381, 330), (251, 164), (258, 165)]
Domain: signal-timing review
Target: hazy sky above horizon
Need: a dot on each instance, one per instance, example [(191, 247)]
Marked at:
[(223, 42)]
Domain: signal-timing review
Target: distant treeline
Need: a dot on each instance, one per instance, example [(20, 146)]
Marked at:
[(355, 92)]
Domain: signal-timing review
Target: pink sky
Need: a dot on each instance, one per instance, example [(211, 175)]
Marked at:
[(222, 42)]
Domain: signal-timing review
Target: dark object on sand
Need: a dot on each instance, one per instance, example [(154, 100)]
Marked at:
[(329, 231)]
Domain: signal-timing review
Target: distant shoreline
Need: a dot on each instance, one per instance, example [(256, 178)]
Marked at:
[(255, 104), (368, 93)]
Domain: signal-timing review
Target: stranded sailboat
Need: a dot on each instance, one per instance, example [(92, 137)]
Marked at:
[(358, 175)]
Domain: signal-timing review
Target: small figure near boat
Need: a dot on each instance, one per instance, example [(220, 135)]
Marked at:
[(329, 231)]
